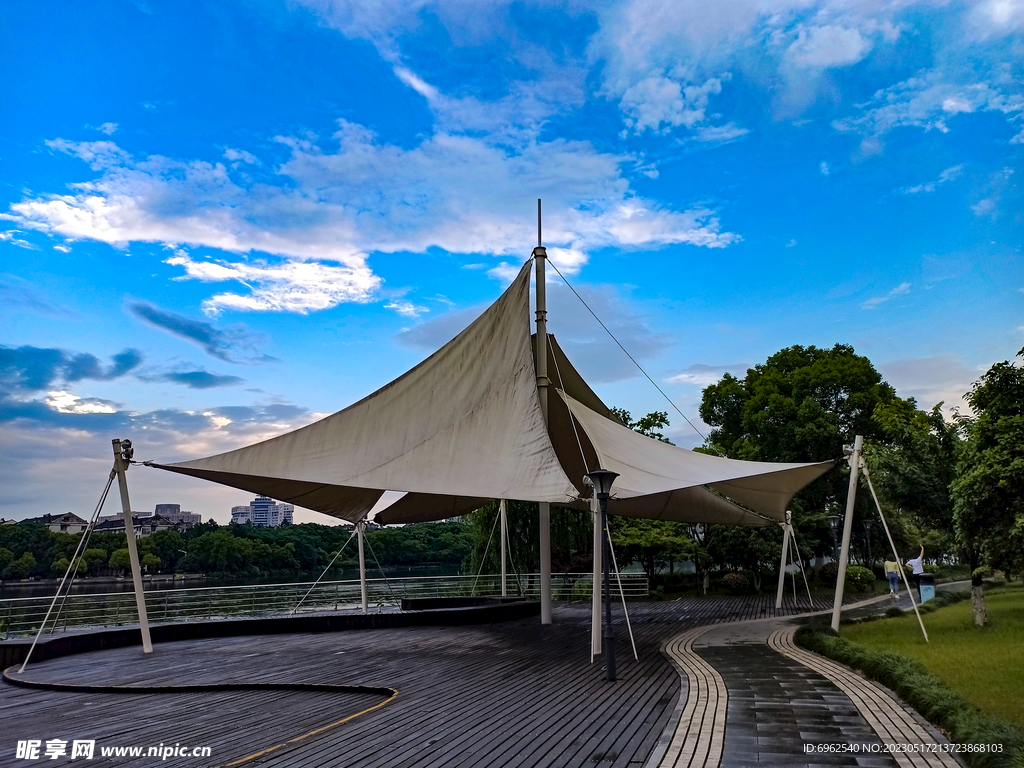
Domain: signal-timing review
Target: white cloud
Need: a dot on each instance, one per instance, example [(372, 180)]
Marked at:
[(9, 236), (827, 46), (926, 101), (947, 175), (65, 402), (825, 170), (108, 128), (457, 192), (291, 286), (239, 156), (792, 243), (719, 134), (900, 290), (985, 206), (658, 101), (701, 375), (406, 308), (1018, 139)]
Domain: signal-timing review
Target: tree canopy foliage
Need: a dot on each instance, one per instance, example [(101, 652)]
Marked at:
[(988, 491)]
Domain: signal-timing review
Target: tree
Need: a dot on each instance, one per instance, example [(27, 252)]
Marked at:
[(988, 492), (95, 558), (650, 425), (801, 404), (913, 470), (120, 559), (149, 560), (651, 543)]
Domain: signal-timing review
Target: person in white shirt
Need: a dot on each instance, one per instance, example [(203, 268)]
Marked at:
[(916, 564)]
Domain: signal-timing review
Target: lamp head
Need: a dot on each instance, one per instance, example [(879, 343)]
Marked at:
[(602, 480), (833, 520)]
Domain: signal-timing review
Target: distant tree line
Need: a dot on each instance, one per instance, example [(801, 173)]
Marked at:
[(31, 550)]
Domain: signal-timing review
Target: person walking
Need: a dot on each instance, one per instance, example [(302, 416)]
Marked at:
[(916, 564), (892, 572)]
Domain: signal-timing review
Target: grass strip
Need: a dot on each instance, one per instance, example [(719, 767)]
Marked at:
[(961, 721)]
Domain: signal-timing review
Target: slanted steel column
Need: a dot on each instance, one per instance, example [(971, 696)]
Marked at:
[(122, 454), (782, 562), (844, 552), (360, 530), (540, 258)]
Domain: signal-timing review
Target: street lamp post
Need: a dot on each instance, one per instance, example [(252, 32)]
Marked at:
[(833, 521), (602, 480)]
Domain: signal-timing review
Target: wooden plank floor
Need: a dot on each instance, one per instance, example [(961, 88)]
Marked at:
[(508, 695)]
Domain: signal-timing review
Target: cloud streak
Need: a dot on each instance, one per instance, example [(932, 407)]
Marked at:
[(32, 369), (232, 345), (900, 290)]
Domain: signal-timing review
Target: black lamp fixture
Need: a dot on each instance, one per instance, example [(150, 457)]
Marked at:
[(834, 520), (602, 480)]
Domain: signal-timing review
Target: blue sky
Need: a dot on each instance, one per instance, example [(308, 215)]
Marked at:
[(221, 221)]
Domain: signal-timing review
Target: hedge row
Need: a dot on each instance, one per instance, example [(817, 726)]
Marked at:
[(940, 704)]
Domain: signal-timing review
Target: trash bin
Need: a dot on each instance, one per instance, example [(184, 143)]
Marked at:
[(926, 587)]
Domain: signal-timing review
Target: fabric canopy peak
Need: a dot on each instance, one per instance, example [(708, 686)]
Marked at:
[(465, 426)]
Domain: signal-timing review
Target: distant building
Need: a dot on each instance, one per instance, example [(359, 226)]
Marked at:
[(69, 522), (263, 511), (144, 525), (173, 513)]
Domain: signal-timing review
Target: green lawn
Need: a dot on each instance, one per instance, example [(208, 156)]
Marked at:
[(985, 665)]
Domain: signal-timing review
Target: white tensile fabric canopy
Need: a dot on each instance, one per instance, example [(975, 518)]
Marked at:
[(465, 426)]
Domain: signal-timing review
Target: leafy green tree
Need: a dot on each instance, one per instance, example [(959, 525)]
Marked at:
[(120, 560), (650, 425), (60, 566), (988, 492), (21, 568), (801, 404), (150, 561), (6, 558), (95, 558), (913, 470), (654, 544)]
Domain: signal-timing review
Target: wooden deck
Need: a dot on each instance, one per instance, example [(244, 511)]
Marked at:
[(508, 695)]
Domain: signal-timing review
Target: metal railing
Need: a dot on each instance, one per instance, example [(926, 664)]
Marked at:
[(22, 616)]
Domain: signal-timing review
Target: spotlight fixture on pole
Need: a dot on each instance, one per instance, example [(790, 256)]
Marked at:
[(834, 521), (602, 480)]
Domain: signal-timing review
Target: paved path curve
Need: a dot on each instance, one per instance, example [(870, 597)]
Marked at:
[(699, 732), (887, 717)]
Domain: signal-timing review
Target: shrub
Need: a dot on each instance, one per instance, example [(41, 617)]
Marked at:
[(914, 684), (737, 583), (582, 590), (828, 574), (860, 578)]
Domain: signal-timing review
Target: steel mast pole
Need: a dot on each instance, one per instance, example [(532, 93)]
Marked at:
[(844, 554), (540, 258), (120, 467), (364, 598), (504, 551)]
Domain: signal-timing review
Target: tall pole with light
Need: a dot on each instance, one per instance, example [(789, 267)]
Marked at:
[(602, 480), (540, 258), (833, 522)]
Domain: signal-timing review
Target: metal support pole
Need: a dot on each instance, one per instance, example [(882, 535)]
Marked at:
[(844, 553), (504, 546), (120, 467), (360, 532), (609, 634), (595, 618), (540, 258), (782, 562)]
